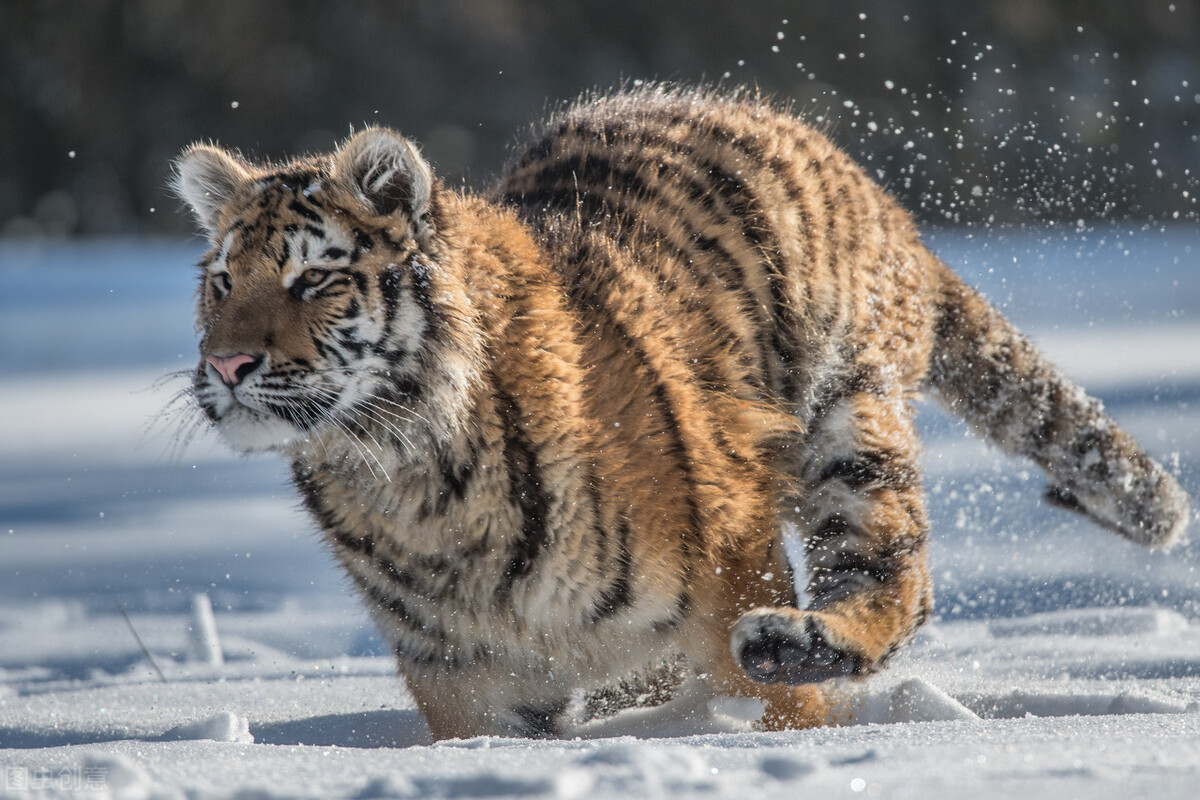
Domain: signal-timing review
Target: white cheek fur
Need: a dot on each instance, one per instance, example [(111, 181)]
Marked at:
[(249, 431)]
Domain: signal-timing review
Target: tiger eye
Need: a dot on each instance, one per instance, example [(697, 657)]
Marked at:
[(313, 277)]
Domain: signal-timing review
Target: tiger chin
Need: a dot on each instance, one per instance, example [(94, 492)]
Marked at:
[(554, 432)]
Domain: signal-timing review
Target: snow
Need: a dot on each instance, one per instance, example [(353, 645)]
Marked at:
[(1063, 662), (224, 726)]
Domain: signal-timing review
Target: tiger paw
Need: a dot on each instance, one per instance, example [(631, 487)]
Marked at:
[(778, 645)]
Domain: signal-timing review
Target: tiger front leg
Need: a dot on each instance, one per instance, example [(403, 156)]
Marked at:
[(864, 527)]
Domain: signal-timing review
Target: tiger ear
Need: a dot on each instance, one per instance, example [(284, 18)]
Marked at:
[(206, 178), (387, 173)]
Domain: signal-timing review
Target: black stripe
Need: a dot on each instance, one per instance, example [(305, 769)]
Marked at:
[(827, 396), (402, 391), (303, 411), (456, 479), (394, 244), (540, 149), (594, 171), (871, 469), (683, 607), (618, 595), (679, 450), (346, 335), (237, 226), (848, 564), (363, 243), (390, 281), (584, 295), (448, 656), (420, 656), (293, 181), (525, 492), (832, 259), (845, 562), (285, 253), (310, 489), (422, 293), (833, 527), (360, 545), (400, 612), (305, 211), (401, 578)]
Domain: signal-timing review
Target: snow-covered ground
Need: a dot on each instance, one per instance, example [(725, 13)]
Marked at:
[(1063, 663)]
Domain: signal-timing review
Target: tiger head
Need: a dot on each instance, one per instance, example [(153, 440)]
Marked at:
[(326, 307)]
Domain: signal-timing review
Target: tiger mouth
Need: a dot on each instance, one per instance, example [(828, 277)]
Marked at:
[(303, 413), (303, 409), (248, 429)]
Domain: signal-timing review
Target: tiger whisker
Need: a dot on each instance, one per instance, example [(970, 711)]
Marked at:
[(178, 417), (376, 414), (361, 447)]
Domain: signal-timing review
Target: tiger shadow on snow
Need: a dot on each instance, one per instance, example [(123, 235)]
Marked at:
[(396, 728)]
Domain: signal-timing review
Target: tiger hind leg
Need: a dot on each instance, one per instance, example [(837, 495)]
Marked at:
[(862, 516)]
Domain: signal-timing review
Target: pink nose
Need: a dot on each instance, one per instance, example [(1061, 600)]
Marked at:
[(234, 368)]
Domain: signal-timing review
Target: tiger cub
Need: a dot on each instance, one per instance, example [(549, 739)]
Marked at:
[(553, 433)]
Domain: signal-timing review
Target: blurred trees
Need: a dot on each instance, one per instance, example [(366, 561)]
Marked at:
[(997, 110)]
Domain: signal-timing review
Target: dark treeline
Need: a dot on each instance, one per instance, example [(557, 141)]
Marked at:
[(993, 110)]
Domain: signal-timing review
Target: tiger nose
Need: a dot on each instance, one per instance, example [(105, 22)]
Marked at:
[(235, 368)]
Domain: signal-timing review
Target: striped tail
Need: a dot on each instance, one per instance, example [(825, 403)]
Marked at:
[(984, 370)]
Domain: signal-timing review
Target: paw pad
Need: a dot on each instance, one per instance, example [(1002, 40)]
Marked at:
[(775, 647)]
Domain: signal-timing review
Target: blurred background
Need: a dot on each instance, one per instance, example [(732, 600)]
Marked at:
[(989, 111)]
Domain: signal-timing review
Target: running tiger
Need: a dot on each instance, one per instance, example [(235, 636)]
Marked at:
[(554, 433)]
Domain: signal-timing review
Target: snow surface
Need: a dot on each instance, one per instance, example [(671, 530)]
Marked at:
[(1063, 663)]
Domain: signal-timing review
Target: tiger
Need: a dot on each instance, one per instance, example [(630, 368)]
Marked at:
[(556, 431)]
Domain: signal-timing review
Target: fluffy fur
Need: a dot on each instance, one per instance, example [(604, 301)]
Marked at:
[(553, 433)]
